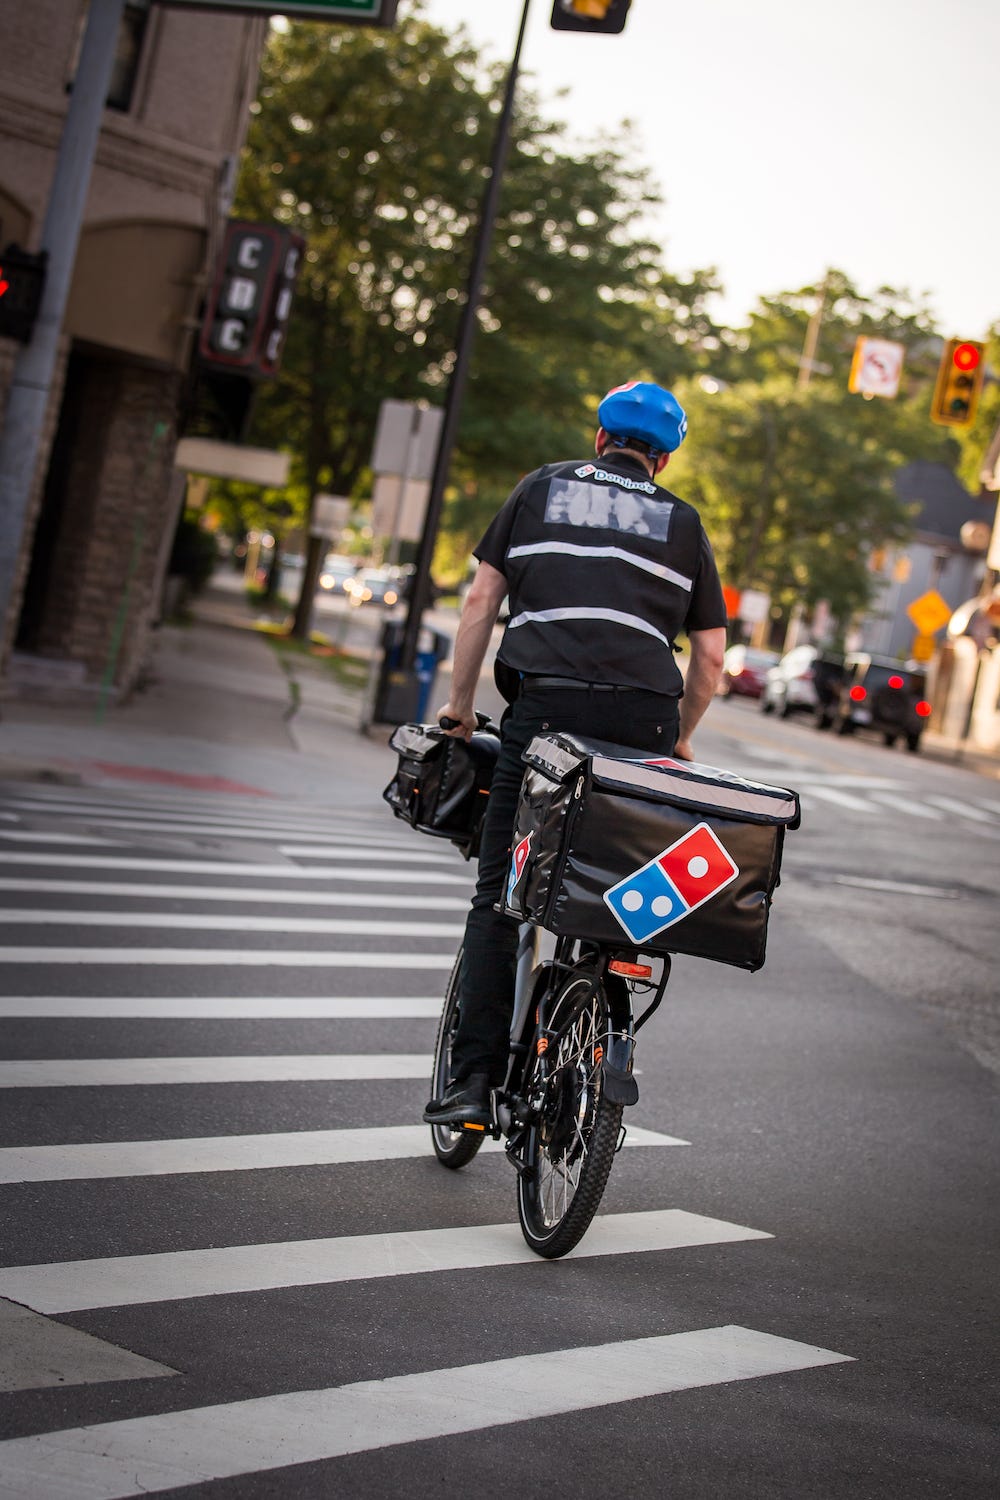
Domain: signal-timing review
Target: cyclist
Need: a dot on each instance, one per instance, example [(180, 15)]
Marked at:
[(603, 569)]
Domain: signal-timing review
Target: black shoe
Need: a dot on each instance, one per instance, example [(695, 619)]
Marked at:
[(464, 1102)]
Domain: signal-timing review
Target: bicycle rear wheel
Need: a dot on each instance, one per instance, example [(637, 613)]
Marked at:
[(453, 1148), (570, 1149)]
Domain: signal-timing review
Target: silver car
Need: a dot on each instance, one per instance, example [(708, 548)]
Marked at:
[(790, 685)]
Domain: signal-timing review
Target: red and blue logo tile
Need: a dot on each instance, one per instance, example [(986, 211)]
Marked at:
[(673, 885)]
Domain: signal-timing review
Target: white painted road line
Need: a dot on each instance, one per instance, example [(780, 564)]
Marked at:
[(355, 873), (181, 829), (896, 887), (119, 1072), (838, 798), (237, 1153), (912, 806), (54, 838), (361, 852), (282, 958), (963, 810), (125, 1281), (237, 894), (240, 922), (143, 1455), (214, 1008), (267, 823)]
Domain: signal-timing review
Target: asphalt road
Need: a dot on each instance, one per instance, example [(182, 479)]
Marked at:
[(232, 1267)]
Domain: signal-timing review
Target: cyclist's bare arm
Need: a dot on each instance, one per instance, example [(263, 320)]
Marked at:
[(475, 629), (703, 673)]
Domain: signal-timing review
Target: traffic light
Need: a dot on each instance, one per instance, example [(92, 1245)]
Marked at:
[(22, 277), (606, 16), (959, 382)]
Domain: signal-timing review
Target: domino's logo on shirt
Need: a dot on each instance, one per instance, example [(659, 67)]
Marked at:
[(671, 886)]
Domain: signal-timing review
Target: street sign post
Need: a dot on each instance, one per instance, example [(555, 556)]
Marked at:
[(347, 12), (876, 367)]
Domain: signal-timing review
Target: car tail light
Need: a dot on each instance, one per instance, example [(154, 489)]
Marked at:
[(895, 682), (858, 694), (923, 709)]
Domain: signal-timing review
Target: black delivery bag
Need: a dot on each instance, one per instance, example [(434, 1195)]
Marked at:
[(442, 784), (653, 854)]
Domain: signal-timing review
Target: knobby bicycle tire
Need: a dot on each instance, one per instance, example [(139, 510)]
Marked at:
[(569, 1152), (453, 1148)]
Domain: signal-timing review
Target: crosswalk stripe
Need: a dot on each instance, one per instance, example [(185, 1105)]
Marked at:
[(380, 818), (913, 806), (242, 922), (123, 826), (234, 868), (110, 1460), (209, 1008), (237, 1153), (239, 957), (234, 893), (24, 836), (124, 1281), (115, 1072), (838, 798), (963, 810)]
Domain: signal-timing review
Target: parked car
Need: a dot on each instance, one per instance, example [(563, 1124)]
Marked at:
[(880, 696), (377, 586), (336, 573), (806, 679), (744, 669)]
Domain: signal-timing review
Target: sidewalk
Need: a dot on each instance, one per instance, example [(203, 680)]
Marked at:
[(220, 711), (223, 712)]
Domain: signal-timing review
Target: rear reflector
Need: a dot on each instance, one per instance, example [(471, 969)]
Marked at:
[(895, 682), (631, 971), (858, 694), (923, 709)]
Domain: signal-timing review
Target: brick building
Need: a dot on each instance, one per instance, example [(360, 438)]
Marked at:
[(106, 494)]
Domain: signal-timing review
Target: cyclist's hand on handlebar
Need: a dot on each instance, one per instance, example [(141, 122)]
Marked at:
[(460, 725)]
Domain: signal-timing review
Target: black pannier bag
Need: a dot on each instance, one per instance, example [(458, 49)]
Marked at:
[(648, 853), (442, 784)]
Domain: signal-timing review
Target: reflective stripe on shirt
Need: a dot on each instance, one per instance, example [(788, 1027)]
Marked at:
[(616, 616), (574, 550)]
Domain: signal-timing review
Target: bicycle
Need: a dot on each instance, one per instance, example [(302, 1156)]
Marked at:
[(646, 855), (569, 1078)]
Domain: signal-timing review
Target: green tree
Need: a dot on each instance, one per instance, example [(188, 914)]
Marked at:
[(375, 146), (795, 486)]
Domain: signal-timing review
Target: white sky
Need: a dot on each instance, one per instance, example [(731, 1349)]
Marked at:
[(789, 135)]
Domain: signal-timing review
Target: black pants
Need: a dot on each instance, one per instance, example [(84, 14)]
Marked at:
[(644, 721)]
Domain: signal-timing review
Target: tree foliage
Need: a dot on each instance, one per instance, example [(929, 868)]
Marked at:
[(375, 145)]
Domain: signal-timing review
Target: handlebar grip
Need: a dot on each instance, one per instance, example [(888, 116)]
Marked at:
[(447, 723)]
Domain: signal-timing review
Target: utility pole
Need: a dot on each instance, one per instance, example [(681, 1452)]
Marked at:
[(808, 357), (31, 386), (420, 593)]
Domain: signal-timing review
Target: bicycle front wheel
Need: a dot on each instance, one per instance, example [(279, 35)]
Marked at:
[(453, 1148), (570, 1148)]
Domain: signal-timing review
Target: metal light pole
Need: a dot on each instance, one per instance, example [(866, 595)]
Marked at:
[(28, 400), (420, 593)]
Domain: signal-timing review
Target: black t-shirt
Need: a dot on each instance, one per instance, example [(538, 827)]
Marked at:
[(605, 570)]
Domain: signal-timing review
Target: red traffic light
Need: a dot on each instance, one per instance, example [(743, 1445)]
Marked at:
[(966, 357)]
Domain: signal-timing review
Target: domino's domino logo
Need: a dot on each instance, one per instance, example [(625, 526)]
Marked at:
[(518, 860), (671, 886)]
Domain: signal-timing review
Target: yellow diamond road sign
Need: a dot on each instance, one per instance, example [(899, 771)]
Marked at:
[(929, 612)]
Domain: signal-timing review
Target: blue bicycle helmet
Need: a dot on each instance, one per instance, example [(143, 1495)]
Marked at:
[(645, 411)]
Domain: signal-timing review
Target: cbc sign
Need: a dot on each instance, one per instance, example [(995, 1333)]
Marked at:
[(247, 314)]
